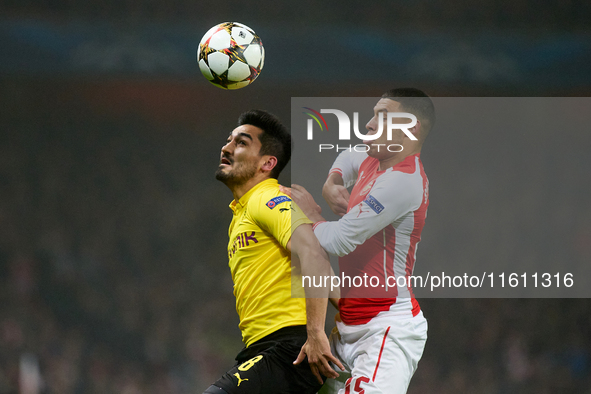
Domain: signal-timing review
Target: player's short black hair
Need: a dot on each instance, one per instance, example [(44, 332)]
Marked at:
[(417, 103), (275, 139)]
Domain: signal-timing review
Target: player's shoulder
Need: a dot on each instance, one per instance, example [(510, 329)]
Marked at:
[(403, 177), (267, 199), (409, 169), (410, 165)]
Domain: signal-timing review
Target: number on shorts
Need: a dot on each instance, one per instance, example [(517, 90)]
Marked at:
[(357, 386), (248, 364)]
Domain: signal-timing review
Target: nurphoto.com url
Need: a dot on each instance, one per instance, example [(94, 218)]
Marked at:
[(433, 282)]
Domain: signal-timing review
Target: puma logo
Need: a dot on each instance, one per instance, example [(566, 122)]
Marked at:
[(286, 209), (361, 210), (239, 380)]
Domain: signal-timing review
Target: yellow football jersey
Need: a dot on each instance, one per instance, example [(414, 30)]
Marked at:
[(260, 263)]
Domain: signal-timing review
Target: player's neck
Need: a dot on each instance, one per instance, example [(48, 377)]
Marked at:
[(397, 158), (239, 190)]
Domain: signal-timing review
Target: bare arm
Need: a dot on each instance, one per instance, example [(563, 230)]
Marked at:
[(314, 262), (334, 294), (313, 208), (336, 194)]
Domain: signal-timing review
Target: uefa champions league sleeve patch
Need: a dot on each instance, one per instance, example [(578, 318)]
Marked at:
[(277, 200), (374, 204)]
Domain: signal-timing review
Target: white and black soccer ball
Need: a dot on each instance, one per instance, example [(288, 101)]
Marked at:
[(231, 55)]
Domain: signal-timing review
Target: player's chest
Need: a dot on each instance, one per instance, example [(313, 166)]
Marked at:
[(365, 182), (247, 240), (244, 234)]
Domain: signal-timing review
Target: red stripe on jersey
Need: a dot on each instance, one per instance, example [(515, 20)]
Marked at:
[(380, 356), (317, 223), (416, 308), (415, 237), (336, 170), (390, 248), (419, 222)]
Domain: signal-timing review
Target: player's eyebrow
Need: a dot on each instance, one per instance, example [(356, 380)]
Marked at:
[(243, 134)]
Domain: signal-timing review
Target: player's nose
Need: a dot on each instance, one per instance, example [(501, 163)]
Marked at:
[(227, 148), (371, 126)]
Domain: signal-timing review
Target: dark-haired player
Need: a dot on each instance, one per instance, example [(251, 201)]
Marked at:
[(276, 328), (381, 331)]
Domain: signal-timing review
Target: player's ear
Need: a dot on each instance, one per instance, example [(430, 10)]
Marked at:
[(416, 129), (269, 162)]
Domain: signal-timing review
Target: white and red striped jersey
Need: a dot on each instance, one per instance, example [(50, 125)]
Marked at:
[(379, 234)]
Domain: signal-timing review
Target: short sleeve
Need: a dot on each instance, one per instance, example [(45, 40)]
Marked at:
[(278, 215), (297, 217)]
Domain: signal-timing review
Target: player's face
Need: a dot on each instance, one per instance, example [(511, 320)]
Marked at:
[(239, 158), (378, 147)]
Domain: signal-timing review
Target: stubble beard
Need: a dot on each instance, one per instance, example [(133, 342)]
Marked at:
[(236, 176)]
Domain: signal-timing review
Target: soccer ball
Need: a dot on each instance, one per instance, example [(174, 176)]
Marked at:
[(231, 55)]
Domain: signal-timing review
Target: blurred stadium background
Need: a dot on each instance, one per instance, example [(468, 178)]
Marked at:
[(113, 270)]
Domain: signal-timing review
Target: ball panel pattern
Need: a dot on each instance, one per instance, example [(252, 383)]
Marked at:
[(231, 55), (218, 62), (220, 40), (238, 72), (241, 36), (205, 70), (253, 55)]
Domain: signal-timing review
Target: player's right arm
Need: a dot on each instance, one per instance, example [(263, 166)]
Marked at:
[(314, 263), (336, 194), (342, 174), (393, 195), (293, 230), (335, 293)]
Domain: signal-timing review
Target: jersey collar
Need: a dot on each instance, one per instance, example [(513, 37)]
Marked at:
[(406, 165), (237, 205)]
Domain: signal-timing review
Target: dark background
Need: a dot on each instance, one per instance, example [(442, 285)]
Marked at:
[(113, 231)]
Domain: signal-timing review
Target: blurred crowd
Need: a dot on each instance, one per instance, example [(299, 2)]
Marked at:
[(110, 278), (114, 278), (427, 14), (506, 346), (113, 231)]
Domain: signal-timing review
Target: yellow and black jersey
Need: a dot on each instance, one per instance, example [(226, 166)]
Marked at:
[(263, 221)]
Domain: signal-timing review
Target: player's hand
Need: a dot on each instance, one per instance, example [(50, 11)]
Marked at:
[(317, 349), (306, 202), (285, 190), (337, 197)]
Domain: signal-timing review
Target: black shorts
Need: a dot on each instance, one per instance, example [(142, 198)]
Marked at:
[(266, 366)]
